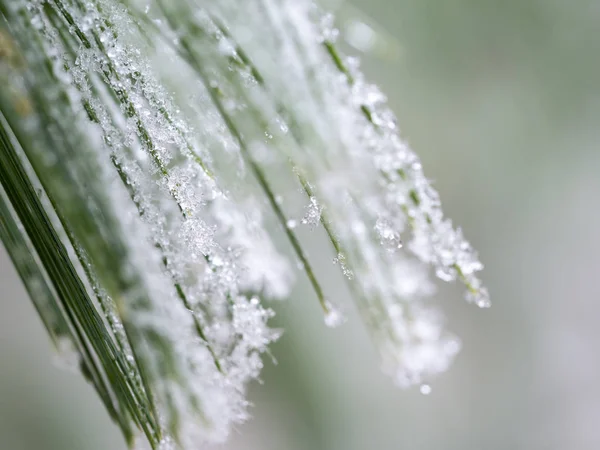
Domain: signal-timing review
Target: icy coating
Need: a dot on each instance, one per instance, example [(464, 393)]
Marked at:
[(203, 117)]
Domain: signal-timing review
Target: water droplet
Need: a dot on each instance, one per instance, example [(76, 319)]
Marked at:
[(483, 303), (425, 389), (67, 356), (333, 317), (291, 224), (360, 35)]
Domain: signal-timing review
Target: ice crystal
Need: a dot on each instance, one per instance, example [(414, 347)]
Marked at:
[(341, 260), (389, 236), (164, 136), (312, 217)]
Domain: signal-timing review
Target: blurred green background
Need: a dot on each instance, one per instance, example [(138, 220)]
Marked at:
[(501, 98)]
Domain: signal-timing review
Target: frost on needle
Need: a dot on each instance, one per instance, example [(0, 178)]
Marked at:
[(148, 152)]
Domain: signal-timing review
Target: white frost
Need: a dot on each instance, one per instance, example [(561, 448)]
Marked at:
[(198, 105)]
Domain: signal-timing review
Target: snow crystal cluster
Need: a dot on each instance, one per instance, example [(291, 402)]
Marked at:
[(194, 109), (382, 215)]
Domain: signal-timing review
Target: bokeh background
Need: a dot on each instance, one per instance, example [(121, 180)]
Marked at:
[(502, 101)]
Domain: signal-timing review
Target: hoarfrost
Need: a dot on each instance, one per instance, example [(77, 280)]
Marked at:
[(190, 116), (312, 217), (341, 260)]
